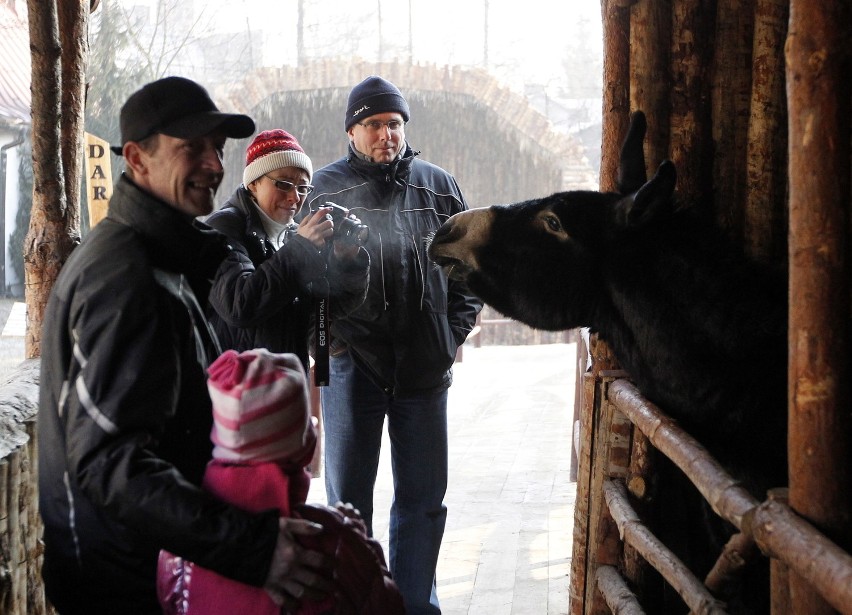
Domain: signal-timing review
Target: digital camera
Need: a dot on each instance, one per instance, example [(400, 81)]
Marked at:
[(347, 230)]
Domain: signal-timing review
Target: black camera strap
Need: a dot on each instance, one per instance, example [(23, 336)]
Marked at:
[(321, 342), (321, 339)]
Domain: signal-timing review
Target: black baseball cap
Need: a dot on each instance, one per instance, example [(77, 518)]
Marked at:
[(176, 107)]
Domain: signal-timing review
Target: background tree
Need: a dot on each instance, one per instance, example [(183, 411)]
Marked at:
[(25, 202), (58, 44)]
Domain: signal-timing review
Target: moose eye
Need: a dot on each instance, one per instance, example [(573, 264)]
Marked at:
[(553, 223)]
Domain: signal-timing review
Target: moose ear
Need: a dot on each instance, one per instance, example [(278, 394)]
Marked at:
[(655, 197), (631, 161)]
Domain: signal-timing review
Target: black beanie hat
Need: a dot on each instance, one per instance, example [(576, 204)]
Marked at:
[(371, 96)]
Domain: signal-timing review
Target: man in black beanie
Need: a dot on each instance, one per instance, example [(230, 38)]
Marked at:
[(393, 356)]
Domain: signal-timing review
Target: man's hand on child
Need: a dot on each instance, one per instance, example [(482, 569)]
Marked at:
[(296, 573)]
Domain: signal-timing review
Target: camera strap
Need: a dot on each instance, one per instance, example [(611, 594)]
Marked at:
[(321, 338)]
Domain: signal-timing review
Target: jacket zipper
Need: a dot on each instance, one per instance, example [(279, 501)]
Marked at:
[(382, 263), (422, 275)]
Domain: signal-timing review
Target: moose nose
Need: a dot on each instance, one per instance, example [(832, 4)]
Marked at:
[(443, 231)]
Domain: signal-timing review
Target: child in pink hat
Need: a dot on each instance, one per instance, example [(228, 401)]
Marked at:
[(263, 437)]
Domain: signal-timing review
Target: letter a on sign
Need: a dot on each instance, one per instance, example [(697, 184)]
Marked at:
[(98, 178)]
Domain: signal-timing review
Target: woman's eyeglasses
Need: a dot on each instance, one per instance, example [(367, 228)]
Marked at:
[(284, 186)]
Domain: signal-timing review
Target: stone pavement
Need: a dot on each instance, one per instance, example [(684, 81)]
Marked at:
[(507, 546)]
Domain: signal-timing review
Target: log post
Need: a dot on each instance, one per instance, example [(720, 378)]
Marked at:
[(580, 542), (616, 86), (615, 119), (691, 134), (779, 576), (639, 476), (52, 233), (650, 77), (820, 460), (731, 94), (610, 459), (765, 211)]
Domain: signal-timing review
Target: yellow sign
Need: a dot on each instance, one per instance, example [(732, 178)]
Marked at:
[(98, 178)]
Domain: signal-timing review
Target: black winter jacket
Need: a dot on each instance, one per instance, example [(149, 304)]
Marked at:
[(406, 333), (262, 298), (125, 416)]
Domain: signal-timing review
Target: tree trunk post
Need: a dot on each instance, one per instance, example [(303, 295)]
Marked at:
[(616, 87), (691, 135), (818, 64), (52, 231), (730, 103), (650, 75), (765, 224)]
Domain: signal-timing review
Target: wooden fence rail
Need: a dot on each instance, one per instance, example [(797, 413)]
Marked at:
[(775, 528), (635, 533)]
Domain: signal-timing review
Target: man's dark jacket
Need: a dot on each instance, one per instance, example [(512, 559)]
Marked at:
[(263, 298), (125, 416), (406, 333)]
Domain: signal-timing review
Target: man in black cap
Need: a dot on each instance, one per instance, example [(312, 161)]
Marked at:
[(125, 416), (393, 356)]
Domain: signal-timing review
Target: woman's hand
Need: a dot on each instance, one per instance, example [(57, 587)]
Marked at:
[(317, 227)]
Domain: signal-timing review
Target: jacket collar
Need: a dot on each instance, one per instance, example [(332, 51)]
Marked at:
[(174, 241), (243, 202), (395, 171)]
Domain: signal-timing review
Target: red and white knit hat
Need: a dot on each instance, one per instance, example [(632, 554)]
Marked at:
[(271, 150), (260, 408)]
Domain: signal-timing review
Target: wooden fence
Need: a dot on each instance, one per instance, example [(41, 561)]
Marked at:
[(21, 590), (612, 544), (751, 99)]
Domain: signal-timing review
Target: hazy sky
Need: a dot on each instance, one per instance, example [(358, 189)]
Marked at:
[(527, 40)]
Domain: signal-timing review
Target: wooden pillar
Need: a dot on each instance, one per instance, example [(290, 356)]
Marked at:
[(691, 137), (765, 219), (730, 102), (615, 120), (616, 86), (650, 74), (818, 68), (57, 43), (580, 540)]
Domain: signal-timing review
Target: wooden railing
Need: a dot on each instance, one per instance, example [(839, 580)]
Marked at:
[(608, 532)]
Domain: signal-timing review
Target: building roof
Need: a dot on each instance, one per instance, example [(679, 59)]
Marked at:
[(16, 73)]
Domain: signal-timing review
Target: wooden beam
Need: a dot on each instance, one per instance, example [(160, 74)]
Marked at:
[(730, 500), (636, 533), (820, 424), (615, 591), (825, 567)]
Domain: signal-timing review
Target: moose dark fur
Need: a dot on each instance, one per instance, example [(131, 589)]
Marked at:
[(699, 328)]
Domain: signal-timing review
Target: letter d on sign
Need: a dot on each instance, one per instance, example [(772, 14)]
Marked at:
[(98, 178)]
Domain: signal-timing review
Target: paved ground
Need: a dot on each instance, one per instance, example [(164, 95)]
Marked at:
[(11, 346), (507, 547)]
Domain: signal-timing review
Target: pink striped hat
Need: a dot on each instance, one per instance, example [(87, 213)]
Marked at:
[(260, 408)]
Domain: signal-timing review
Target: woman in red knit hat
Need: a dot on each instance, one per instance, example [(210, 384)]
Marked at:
[(263, 293)]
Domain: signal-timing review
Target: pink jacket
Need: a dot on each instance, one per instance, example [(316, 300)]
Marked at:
[(188, 589)]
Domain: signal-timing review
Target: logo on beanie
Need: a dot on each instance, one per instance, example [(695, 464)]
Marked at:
[(357, 111)]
